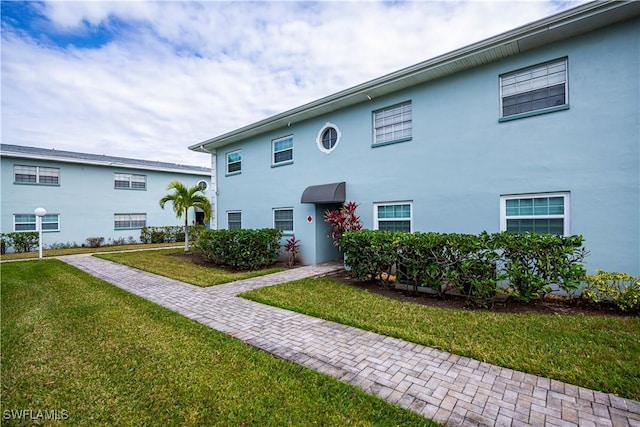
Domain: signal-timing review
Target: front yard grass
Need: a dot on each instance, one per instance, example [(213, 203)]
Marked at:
[(598, 352), (166, 263), (47, 253), (75, 344)]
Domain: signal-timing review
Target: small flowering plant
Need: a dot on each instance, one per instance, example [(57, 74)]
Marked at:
[(292, 247), (342, 220)]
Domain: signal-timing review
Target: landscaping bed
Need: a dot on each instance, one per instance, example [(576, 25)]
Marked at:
[(550, 304)]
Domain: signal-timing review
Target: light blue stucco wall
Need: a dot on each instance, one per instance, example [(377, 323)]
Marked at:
[(461, 159), (87, 200)]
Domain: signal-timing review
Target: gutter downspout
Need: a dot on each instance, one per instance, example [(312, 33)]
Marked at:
[(213, 221)]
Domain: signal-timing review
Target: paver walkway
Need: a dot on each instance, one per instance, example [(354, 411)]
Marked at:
[(438, 385)]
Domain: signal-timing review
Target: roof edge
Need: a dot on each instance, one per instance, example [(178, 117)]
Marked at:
[(108, 161)]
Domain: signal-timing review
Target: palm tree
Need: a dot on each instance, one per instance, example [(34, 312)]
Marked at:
[(184, 198)]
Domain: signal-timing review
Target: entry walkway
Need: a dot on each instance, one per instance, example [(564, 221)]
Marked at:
[(438, 385)]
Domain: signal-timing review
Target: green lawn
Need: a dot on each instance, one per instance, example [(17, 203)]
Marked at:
[(597, 352), (165, 263), (47, 253), (75, 344)]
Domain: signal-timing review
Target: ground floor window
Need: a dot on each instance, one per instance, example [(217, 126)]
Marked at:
[(234, 220), (27, 222), (130, 220), (536, 213), (283, 220), (395, 216)]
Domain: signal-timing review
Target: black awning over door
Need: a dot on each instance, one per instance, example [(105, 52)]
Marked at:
[(325, 193)]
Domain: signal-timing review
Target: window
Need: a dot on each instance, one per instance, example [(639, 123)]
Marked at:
[(133, 220), (130, 181), (36, 175), (282, 150), (393, 216), (234, 162), (234, 220), (537, 213), (27, 222), (283, 220), (392, 124), (328, 138), (539, 88), (203, 185)]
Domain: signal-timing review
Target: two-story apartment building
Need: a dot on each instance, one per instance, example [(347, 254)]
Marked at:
[(536, 129), (88, 195)]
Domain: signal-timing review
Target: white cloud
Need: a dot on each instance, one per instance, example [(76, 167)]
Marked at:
[(177, 73)]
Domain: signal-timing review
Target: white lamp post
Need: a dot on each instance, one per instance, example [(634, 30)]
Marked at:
[(40, 212)]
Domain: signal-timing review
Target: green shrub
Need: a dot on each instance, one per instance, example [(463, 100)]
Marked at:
[(620, 288), (24, 241), (423, 260), (242, 249), (164, 234), (533, 262), (95, 242), (370, 254), (473, 264)]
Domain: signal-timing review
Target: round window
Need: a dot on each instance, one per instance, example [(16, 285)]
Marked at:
[(203, 185), (328, 138)]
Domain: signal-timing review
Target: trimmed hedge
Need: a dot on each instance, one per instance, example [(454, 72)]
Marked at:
[(242, 249), (169, 233), (471, 264), (24, 241), (164, 234)]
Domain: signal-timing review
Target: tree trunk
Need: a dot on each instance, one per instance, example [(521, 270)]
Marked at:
[(186, 230)]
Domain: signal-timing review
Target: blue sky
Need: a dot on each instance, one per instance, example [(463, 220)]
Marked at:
[(147, 79)]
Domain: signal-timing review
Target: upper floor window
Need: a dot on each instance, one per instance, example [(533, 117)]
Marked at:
[(536, 213), (328, 138), (283, 220), (130, 220), (282, 149), (234, 220), (23, 174), (536, 89), (392, 124), (27, 222), (234, 162), (393, 216), (132, 181)]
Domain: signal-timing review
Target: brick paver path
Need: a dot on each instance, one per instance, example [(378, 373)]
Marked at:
[(438, 385)]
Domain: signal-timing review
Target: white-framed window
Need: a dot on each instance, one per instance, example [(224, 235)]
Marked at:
[(283, 220), (392, 124), (129, 181), (234, 220), (27, 222), (24, 174), (393, 216), (234, 162), (129, 220), (328, 138), (536, 213), (282, 151), (540, 88), (203, 185)]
